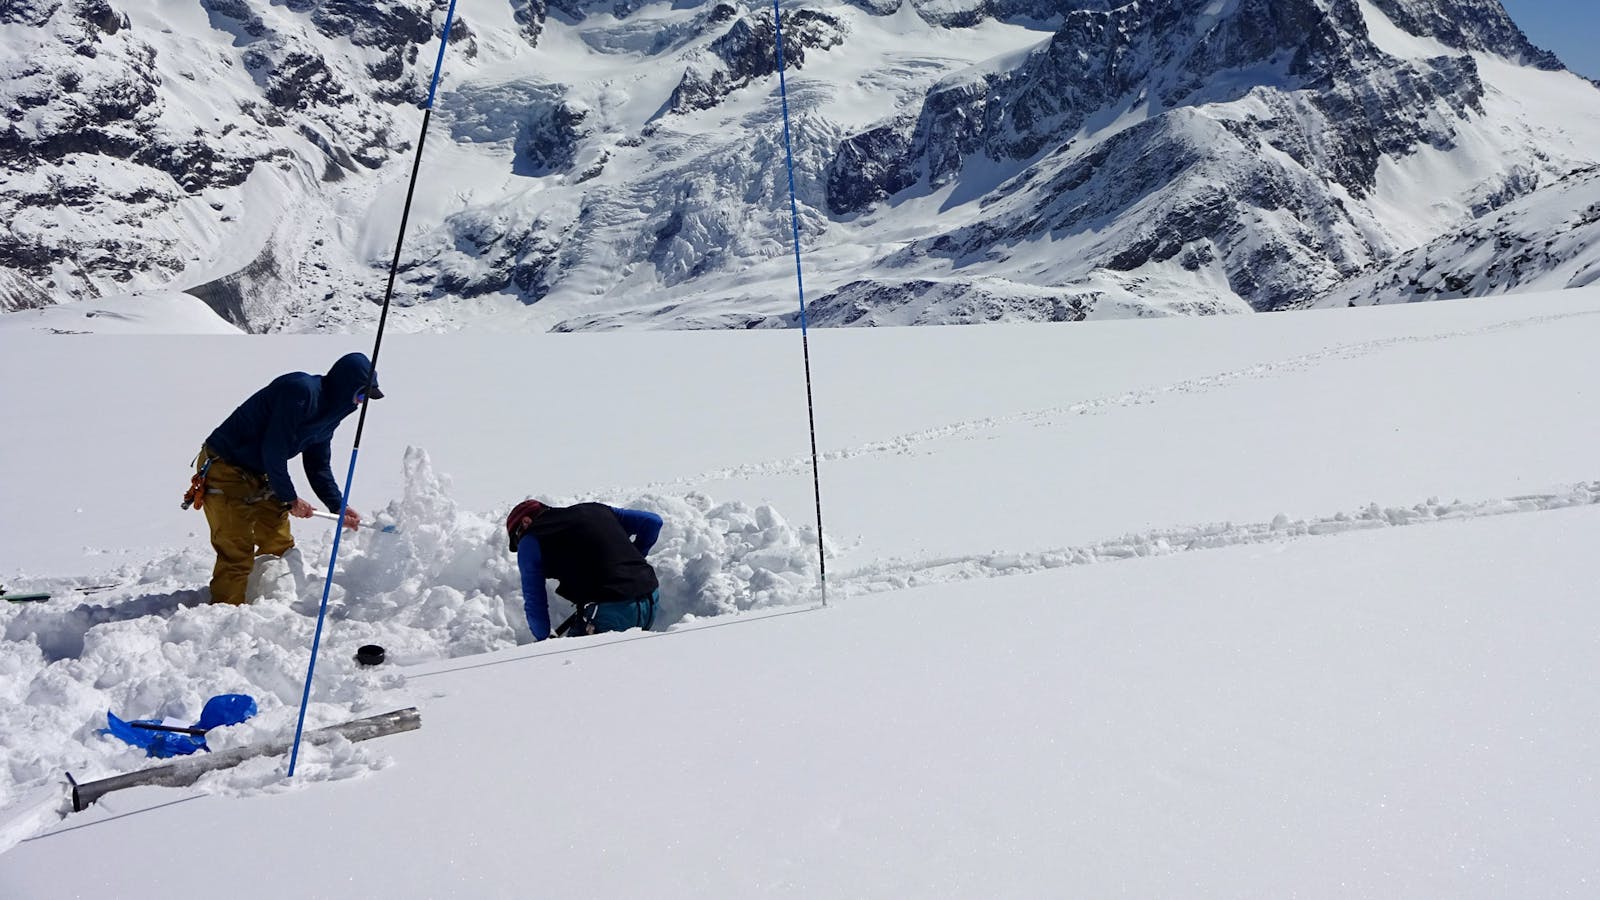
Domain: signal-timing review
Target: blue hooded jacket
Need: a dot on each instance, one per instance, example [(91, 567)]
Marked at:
[(295, 414)]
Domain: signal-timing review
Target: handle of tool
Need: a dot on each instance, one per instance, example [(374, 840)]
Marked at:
[(149, 726), (390, 529)]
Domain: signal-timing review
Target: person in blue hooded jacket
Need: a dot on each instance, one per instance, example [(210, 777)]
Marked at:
[(249, 495)]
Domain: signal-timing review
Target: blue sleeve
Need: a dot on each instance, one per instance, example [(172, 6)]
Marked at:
[(645, 527), (318, 459), (278, 443), (535, 603)]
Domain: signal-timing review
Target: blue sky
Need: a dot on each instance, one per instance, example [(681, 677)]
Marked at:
[(1569, 27)]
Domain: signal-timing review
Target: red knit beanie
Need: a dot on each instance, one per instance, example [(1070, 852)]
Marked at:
[(522, 515)]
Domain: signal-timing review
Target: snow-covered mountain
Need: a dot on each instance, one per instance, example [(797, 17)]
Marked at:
[(1547, 241), (604, 165)]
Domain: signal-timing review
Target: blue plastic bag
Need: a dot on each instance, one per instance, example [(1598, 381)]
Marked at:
[(223, 709)]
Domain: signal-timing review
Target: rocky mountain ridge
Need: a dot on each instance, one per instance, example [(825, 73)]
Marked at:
[(1548, 240), (609, 165)]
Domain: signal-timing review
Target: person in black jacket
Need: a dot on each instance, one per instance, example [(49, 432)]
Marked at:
[(249, 495), (597, 553)]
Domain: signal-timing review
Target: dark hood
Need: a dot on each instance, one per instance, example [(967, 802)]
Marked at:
[(351, 373)]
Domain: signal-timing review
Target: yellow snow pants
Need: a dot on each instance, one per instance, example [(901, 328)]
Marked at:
[(246, 519)]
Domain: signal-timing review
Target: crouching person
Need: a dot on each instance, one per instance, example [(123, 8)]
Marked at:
[(244, 467), (597, 553)]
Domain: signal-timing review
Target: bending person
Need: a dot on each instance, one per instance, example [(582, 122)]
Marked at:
[(248, 494), (597, 553)]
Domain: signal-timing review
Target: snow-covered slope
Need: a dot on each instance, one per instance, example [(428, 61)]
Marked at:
[(1171, 158), (146, 312), (169, 143), (1547, 241), (1298, 607), (599, 166)]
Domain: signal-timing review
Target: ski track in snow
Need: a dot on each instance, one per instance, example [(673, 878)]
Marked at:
[(894, 575), (904, 443), (902, 574)]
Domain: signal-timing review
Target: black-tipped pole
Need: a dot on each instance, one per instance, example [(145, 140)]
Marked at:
[(805, 339), (377, 345)]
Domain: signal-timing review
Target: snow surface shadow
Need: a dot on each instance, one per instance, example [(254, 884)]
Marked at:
[(60, 635), (580, 645)]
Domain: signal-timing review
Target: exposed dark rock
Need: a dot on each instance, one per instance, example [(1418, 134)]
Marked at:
[(552, 137), (530, 16), (100, 14), (872, 302), (871, 167), (298, 80), (973, 12), (18, 292), (878, 7), (230, 295), (1468, 25), (386, 24), (196, 164), (463, 40), (747, 47), (235, 16), (28, 12), (747, 52)]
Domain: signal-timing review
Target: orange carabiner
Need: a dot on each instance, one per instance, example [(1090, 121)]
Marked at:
[(195, 496)]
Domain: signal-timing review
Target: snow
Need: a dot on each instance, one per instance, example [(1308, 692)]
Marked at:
[(1239, 606), (442, 587), (1544, 241), (1427, 191), (1396, 41), (144, 313)]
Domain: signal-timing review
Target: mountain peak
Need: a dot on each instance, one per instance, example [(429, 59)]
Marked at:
[(612, 163)]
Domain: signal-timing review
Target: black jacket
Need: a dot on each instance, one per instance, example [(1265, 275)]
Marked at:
[(587, 548)]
